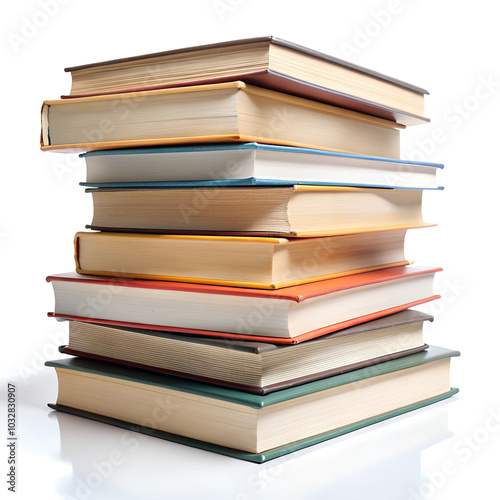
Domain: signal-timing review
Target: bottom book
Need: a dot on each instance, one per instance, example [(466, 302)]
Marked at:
[(249, 426)]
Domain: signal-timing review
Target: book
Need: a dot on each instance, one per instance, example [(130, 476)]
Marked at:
[(266, 62), (255, 262), (257, 367), (251, 164), (224, 112), (286, 315), (296, 211), (250, 426)]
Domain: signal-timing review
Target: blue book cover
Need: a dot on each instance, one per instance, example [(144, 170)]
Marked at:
[(395, 167)]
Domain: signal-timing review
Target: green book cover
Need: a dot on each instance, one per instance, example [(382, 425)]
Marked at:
[(253, 400)]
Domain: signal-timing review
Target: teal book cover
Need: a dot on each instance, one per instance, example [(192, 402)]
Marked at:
[(432, 354)]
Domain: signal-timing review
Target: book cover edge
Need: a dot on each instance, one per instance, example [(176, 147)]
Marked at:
[(263, 456)]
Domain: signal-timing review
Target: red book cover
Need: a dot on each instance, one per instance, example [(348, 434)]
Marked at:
[(298, 294)]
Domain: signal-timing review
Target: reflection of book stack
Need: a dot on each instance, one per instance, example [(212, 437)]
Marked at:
[(389, 455), (212, 257)]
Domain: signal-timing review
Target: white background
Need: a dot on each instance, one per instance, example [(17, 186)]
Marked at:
[(448, 47)]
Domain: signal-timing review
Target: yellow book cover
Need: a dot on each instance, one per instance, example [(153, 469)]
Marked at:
[(250, 262)]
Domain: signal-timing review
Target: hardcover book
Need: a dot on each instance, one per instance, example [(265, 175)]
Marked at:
[(250, 426), (224, 112), (251, 164), (254, 262), (286, 315), (265, 62), (258, 367), (302, 211)]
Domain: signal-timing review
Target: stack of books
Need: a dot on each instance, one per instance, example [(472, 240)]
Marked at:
[(243, 287)]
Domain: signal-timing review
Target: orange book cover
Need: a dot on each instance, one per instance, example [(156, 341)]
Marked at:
[(116, 266), (298, 294), (65, 115)]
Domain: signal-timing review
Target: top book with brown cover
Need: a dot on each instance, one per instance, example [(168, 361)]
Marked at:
[(267, 62)]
